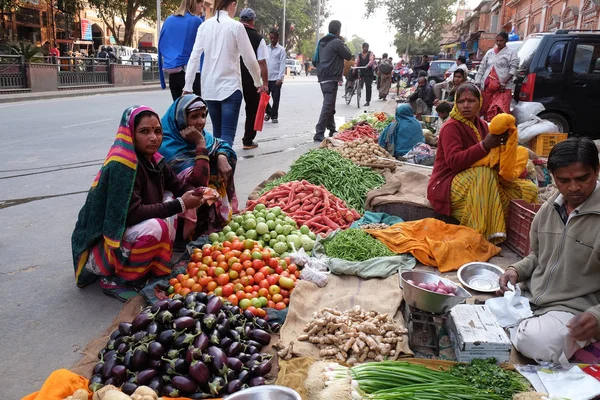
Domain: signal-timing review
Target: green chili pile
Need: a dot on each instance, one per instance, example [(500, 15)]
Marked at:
[(339, 175), (355, 245)]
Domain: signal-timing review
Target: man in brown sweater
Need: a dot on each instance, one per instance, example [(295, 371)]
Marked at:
[(561, 275)]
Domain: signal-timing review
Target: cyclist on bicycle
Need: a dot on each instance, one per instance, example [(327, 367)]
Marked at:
[(366, 59), (348, 72)]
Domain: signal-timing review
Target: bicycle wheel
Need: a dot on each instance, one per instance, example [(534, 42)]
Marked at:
[(358, 92), (349, 93)]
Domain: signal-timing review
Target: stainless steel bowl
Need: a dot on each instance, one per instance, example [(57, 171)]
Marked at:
[(429, 301), (428, 119), (480, 276), (266, 392)]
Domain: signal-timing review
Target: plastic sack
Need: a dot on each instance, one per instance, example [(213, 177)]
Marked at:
[(525, 111), (510, 309), (529, 130), (317, 277), (300, 257), (260, 113)]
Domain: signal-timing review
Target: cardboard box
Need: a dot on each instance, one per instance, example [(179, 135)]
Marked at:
[(476, 332)]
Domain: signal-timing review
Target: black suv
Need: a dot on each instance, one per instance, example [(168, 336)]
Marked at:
[(561, 70)]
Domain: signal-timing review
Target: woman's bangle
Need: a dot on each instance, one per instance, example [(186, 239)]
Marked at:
[(183, 208)]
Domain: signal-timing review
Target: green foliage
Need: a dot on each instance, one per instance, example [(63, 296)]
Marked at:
[(28, 50), (355, 44), (419, 23)]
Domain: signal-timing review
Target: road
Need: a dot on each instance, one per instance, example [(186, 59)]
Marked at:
[(51, 151)]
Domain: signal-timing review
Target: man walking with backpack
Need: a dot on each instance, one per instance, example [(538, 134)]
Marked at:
[(329, 59)]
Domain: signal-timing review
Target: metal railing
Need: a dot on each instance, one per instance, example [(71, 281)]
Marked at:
[(150, 71), (12, 72), (80, 71)]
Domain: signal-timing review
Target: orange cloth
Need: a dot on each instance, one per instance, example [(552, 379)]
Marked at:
[(63, 383), (511, 158), (436, 243)]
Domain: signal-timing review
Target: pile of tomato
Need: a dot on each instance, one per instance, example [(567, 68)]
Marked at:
[(241, 272)]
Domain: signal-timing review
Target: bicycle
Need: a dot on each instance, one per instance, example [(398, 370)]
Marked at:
[(355, 88)]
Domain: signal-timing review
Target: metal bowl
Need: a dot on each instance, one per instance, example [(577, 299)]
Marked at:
[(428, 119), (429, 301), (480, 276), (266, 392)]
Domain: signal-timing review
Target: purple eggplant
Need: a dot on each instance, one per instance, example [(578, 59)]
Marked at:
[(200, 395), (214, 305), (153, 328), (122, 349), (235, 335), (254, 343), (139, 336), (215, 338), (144, 377), (155, 364), (96, 382), (230, 375), (209, 321), (184, 312), (128, 388), (119, 372), (125, 328), (184, 341), (257, 381), (108, 366), (256, 357), (175, 306), (184, 323), (139, 359), (234, 349), (202, 341), (244, 376), (249, 316), (184, 384), (190, 301), (201, 297), (200, 308), (255, 369), (173, 354), (127, 358), (156, 384), (164, 317), (98, 368), (115, 335), (233, 386), (219, 360), (112, 381), (225, 343), (216, 385), (156, 350), (199, 372), (177, 366), (251, 350), (170, 391), (244, 357), (261, 323), (166, 337), (235, 364), (160, 305), (141, 322), (247, 331), (265, 368), (274, 327)]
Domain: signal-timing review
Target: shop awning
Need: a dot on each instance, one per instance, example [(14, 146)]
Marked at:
[(83, 42)]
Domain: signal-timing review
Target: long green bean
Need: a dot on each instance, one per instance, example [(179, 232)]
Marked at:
[(339, 175), (355, 245)]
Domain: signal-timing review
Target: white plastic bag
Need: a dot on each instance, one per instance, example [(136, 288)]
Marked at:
[(527, 132), (510, 309), (524, 111), (300, 257), (315, 276)]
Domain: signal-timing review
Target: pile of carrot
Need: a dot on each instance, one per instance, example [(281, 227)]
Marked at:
[(359, 131), (310, 205)]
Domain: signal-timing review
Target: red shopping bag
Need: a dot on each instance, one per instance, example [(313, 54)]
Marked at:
[(262, 109)]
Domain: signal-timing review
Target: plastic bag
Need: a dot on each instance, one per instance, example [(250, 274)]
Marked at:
[(317, 277), (525, 111), (510, 309), (299, 257), (528, 131), (260, 113)]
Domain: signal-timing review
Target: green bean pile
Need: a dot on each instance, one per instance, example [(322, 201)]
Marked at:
[(339, 175), (355, 245)]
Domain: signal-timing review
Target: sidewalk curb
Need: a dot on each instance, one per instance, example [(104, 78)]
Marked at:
[(8, 98)]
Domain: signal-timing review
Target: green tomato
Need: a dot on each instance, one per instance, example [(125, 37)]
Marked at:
[(272, 242), (251, 234), (234, 226), (249, 224), (257, 302), (271, 224), (213, 237), (279, 229), (248, 215), (266, 238), (312, 236), (280, 247), (273, 234), (240, 232), (260, 207), (238, 219), (304, 230), (262, 243), (281, 238), (263, 301), (287, 229), (230, 235), (276, 210), (241, 238), (270, 216), (260, 219), (262, 228), (226, 229), (244, 304)]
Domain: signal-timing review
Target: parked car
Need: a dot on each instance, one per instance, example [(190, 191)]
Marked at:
[(437, 70), (561, 70), (294, 66), (147, 60)]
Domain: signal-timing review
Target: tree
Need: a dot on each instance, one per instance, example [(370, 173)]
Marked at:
[(418, 22), (355, 44), (129, 12), (428, 46)]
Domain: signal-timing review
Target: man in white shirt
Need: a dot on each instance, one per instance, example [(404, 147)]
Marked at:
[(276, 67), (251, 97), (223, 40), (461, 62)]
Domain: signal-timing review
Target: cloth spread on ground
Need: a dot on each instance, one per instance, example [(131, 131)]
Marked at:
[(511, 158), (63, 383), (343, 293), (436, 243), (399, 137), (407, 185), (371, 217), (104, 214)]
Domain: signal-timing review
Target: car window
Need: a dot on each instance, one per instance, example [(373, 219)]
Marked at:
[(527, 50), (444, 65), (586, 59), (556, 57)]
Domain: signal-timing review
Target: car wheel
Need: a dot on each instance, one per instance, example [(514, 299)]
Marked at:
[(561, 122)]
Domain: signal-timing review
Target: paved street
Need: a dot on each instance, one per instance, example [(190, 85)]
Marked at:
[(51, 151)]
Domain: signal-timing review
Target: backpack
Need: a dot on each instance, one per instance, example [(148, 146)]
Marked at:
[(385, 68)]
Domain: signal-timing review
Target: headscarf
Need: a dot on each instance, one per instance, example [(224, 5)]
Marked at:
[(455, 114), (181, 154), (104, 213), (400, 136)]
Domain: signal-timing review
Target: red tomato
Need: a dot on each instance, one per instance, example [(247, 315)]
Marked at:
[(248, 289), (271, 304), (238, 287), (277, 298), (233, 299), (223, 265), (173, 281), (196, 287), (223, 279), (288, 260), (284, 293), (227, 290), (180, 278), (286, 301), (237, 245), (245, 280), (247, 264), (250, 272), (264, 284), (292, 268), (280, 306), (259, 276), (265, 271), (273, 279), (232, 260), (237, 267), (211, 271), (278, 270), (240, 294), (211, 286), (221, 258), (208, 260), (297, 274), (263, 292), (285, 273), (196, 257), (206, 252), (266, 255), (236, 253), (229, 255), (261, 313), (258, 264), (252, 309), (227, 243), (205, 281), (273, 263), (193, 271), (214, 255)]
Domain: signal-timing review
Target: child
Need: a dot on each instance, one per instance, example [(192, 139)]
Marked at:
[(443, 110)]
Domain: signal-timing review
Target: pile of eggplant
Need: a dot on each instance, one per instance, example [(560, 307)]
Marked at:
[(197, 347)]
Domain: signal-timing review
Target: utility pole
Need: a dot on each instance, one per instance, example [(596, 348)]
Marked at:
[(318, 30), (283, 25), (53, 23), (157, 22)]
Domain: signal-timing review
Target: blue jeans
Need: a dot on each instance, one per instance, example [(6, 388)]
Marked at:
[(224, 116)]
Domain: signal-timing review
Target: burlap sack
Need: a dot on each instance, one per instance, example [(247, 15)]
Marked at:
[(343, 293), (407, 185), (129, 311)]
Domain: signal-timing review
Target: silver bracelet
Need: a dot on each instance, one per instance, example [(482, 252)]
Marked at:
[(183, 208)]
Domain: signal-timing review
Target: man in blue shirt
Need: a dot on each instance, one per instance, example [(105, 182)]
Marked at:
[(276, 67)]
